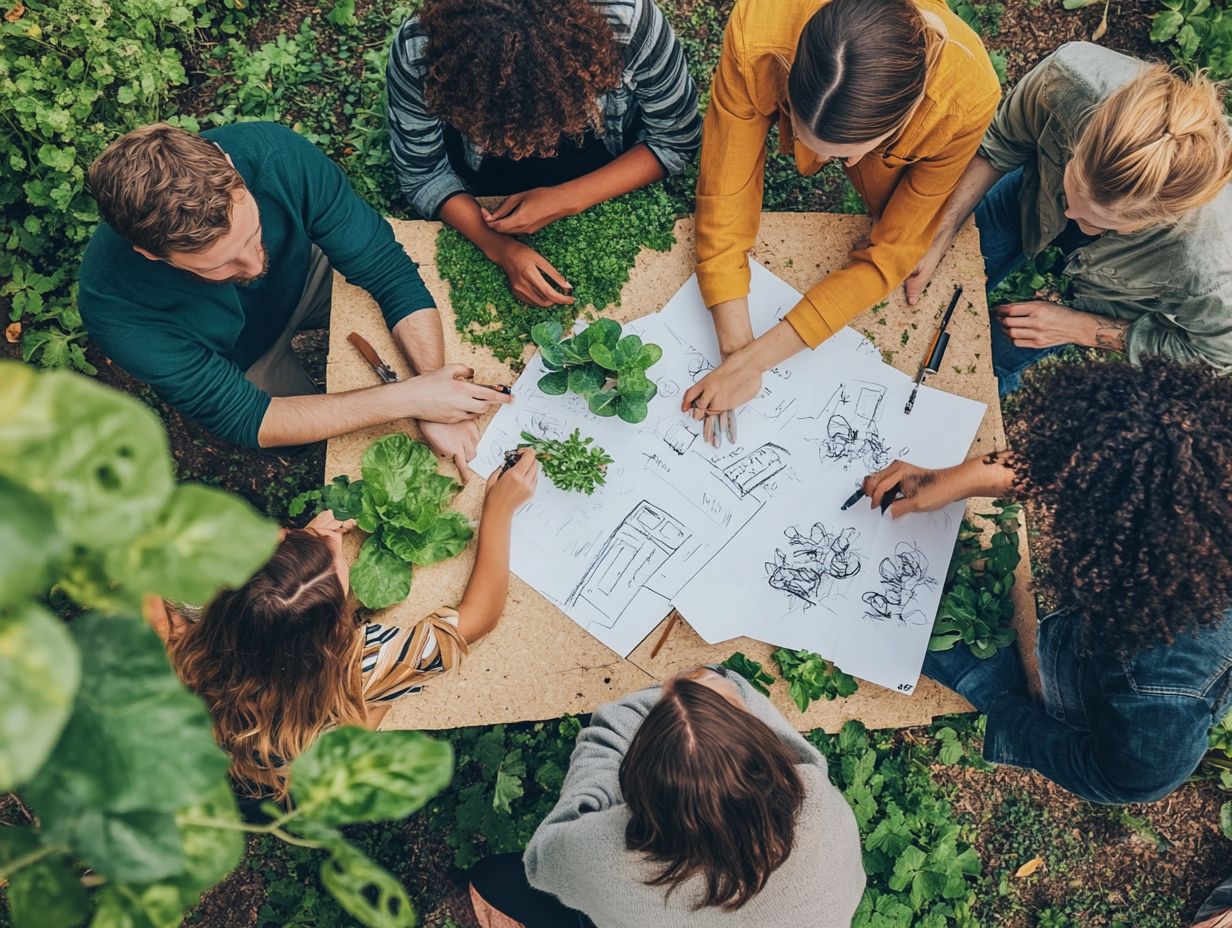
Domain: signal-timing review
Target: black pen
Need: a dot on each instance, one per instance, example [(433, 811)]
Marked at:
[(852, 500), (936, 351)]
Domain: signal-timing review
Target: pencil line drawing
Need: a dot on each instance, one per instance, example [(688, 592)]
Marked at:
[(677, 433), (813, 563), (747, 473), (639, 545), (903, 575)]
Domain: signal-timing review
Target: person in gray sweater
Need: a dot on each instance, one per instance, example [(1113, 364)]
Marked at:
[(694, 803)]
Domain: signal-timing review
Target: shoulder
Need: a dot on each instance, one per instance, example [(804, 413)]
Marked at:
[(624, 16), (254, 146), (1194, 257), (770, 27), (409, 46), (1079, 75)]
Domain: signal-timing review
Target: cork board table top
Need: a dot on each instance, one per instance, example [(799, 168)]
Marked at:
[(538, 663)]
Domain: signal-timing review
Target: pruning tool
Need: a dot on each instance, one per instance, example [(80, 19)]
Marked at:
[(383, 370)]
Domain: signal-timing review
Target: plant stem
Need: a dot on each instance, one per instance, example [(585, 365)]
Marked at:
[(32, 858)]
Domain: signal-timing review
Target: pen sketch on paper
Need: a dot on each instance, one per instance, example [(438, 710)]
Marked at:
[(813, 563), (904, 575), (852, 437)]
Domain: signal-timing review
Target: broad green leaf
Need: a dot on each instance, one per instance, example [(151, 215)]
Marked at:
[(353, 775), (97, 457), (546, 333), (204, 540), (30, 542), (39, 674), (129, 700), (1165, 25), (392, 464), (344, 497), (379, 577), (604, 403), (631, 409), (366, 890), (603, 331), (509, 776), (604, 356), (1225, 820), (131, 847), (627, 352), (554, 383), (649, 357), (45, 894), (448, 535), (586, 380)]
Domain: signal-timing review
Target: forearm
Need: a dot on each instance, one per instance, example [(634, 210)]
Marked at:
[(421, 340), (772, 348), (462, 213), (488, 588), (299, 420), (1108, 333), (633, 170), (988, 475), (375, 714), (976, 180)]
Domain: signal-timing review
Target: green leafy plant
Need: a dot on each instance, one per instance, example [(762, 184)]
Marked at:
[(1038, 278), (978, 607), (920, 868), (573, 464), (810, 676), (400, 503), (608, 370), (1198, 34), (751, 670), (133, 817), (593, 250)]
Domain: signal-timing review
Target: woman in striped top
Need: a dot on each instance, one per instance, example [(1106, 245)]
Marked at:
[(280, 660), (556, 104)]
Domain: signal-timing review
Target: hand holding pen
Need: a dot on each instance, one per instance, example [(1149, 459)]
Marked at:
[(903, 488)]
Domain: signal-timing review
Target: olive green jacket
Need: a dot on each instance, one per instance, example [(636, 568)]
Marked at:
[(1174, 281)]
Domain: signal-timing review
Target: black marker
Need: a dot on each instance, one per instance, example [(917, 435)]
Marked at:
[(852, 500), (936, 351)]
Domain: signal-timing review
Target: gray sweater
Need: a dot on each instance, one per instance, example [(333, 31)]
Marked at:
[(578, 852)]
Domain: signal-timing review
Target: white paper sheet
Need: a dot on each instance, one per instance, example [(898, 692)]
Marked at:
[(680, 523)]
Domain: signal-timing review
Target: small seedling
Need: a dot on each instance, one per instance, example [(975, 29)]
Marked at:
[(572, 464), (598, 364)]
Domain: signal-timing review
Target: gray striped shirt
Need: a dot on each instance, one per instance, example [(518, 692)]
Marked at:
[(655, 85)]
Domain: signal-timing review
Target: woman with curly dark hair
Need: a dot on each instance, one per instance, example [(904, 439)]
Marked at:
[(556, 104), (1132, 470)]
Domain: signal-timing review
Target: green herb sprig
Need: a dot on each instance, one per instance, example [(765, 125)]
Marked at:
[(573, 464)]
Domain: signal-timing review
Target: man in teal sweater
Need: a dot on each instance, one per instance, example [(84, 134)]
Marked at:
[(216, 249)]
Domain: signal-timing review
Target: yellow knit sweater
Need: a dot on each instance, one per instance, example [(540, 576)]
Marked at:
[(905, 183)]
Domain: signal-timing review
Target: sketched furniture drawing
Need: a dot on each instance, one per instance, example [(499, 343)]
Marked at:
[(639, 546), (746, 474)]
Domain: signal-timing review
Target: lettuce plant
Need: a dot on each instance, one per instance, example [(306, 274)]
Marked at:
[(400, 503), (571, 464), (600, 365)]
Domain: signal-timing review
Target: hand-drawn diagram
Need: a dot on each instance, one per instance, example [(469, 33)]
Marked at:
[(677, 432), (852, 437), (903, 575), (668, 387), (813, 563), (636, 549), (747, 473)]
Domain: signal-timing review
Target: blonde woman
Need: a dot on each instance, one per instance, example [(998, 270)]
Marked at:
[(281, 660), (1126, 167), (899, 91)]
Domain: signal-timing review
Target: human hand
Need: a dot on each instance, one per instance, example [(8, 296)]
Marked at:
[(734, 330), (529, 211), (730, 385), (447, 395), (1039, 324), (509, 490), (531, 276), (455, 440), (918, 279), (922, 490)]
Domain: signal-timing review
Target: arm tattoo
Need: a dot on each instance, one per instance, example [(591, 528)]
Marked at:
[(1110, 335)]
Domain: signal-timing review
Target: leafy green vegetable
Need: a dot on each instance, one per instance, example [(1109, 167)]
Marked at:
[(751, 670), (978, 607), (1199, 35), (810, 676), (401, 503), (598, 364), (593, 250), (571, 464)]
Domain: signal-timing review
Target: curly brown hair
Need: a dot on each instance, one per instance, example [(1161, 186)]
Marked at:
[(1132, 466), (514, 76)]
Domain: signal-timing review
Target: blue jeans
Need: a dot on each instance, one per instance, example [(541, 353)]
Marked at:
[(999, 219)]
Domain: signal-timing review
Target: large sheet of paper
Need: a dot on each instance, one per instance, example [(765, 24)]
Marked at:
[(746, 539)]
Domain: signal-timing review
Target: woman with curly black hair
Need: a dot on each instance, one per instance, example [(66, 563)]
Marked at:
[(1131, 468), (556, 104)]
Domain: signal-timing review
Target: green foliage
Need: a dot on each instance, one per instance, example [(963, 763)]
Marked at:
[(572, 464), (810, 676), (920, 868), (1037, 278), (599, 365), (985, 19), (400, 502), (593, 250), (978, 607), (751, 670), (74, 74), (1198, 34), (508, 779)]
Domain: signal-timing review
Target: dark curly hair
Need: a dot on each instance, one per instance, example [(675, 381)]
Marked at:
[(514, 76), (1132, 466)]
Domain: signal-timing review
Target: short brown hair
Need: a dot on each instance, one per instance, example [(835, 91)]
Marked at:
[(711, 791), (165, 189)]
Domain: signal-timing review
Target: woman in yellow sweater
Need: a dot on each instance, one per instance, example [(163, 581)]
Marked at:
[(900, 91)]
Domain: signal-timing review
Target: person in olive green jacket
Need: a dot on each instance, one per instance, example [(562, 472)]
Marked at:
[(1126, 168)]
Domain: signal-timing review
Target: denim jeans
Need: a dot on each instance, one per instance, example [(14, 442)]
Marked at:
[(999, 219)]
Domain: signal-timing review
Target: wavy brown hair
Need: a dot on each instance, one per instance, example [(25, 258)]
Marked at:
[(1132, 467), (277, 663), (711, 791), (514, 76)]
